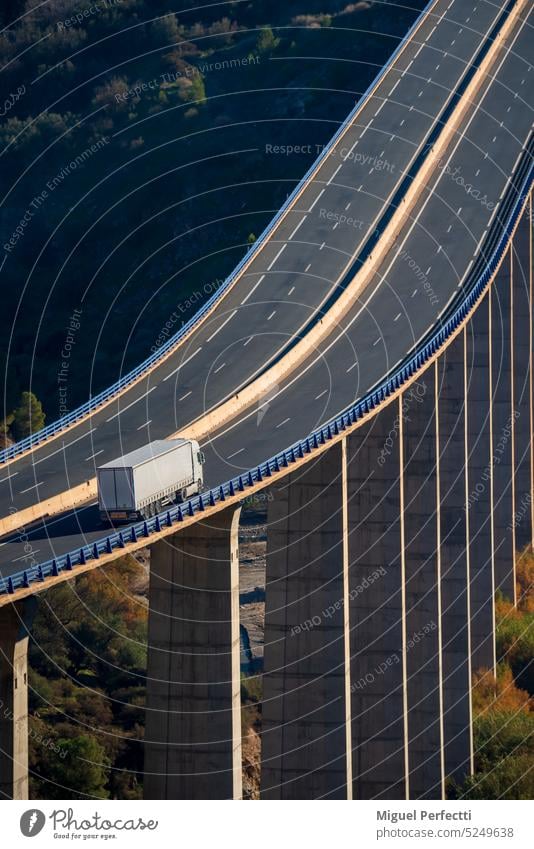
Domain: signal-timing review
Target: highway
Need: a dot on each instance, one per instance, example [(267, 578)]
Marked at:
[(297, 272), (301, 267)]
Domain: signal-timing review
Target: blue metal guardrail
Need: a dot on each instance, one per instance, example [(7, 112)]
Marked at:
[(93, 403), (319, 437)]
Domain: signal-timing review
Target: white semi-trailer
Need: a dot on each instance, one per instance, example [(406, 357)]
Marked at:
[(139, 484)]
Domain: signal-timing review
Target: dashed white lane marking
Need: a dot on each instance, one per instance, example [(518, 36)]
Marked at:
[(235, 453), (220, 327), (282, 249), (22, 491), (320, 395), (284, 422), (322, 246), (183, 364), (25, 556), (307, 267), (366, 128), (9, 477), (335, 225), (380, 107), (245, 299), (96, 454), (321, 193), (350, 151), (393, 89), (397, 317), (187, 394), (271, 315), (352, 366), (219, 368), (291, 291), (146, 424), (297, 227), (377, 341), (250, 338), (63, 446)]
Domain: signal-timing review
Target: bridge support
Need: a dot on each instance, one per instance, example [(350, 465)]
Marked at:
[(503, 427), (423, 638), (306, 750), (377, 609), (522, 265), (453, 555), (193, 725), (15, 620), (478, 378)]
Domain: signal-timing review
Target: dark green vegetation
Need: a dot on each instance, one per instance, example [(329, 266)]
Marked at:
[(134, 160), (87, 686), (503, 706), (27, 418)]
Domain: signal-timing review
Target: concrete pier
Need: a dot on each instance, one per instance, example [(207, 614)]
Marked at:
[(453, 554), (14, 623), (420, 518), (522, 262), (193, 723), (479, 488), (306, 749), (503, 426)]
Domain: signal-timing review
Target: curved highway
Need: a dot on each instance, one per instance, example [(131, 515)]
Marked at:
[(315, 248)]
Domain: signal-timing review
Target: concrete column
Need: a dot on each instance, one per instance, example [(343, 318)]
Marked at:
[(306, 711), (522, 380), (479, 497), (503, 425), (376, 599), (15, 620), (454, 563), (193, 726), (420, 518)]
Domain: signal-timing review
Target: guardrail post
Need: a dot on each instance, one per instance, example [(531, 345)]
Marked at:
[(306, 750), (15, 620), (193, 721)]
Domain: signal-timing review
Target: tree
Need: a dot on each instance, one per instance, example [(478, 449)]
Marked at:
[(81, 771), (5, 439), (267, 41), (28, 417)]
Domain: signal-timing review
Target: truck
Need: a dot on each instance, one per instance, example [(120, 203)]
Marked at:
[(138, 485)]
